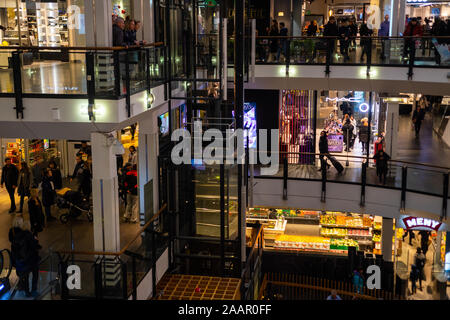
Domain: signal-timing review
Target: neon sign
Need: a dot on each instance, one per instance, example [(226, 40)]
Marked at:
[(363, 107), (413, 223)]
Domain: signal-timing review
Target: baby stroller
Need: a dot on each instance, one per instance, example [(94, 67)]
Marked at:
[(75, 203)]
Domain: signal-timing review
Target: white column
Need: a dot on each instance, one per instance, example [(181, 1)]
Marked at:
[(394, 17), (148, 161), (391, 134), (148, 27), (105, 195), (98, 23), (401, 16), (386, 238)]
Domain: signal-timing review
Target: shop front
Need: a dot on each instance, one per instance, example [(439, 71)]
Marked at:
[(319, 232)]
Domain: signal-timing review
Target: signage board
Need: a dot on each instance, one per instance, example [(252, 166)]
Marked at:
[(418, 223), (335, 142)]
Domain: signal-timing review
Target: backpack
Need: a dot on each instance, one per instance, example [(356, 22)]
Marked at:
[(20, 248)]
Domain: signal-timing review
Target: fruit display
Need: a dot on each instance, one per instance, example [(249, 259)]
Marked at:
[(358, 232), (367, 222), (354, 222), (377, 225), (343, 244), (376, 237), (327, 219), (302, 242), (333, 232)]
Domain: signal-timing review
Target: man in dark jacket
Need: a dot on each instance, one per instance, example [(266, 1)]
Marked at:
[(37, 170), (344, 33), (347, 130), (366, 42), (10, 175), (118, 33), (323, 149), (331, 30), (413, 29), (79, 173)]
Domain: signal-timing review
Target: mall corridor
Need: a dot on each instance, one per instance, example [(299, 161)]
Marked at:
[(428, 148)]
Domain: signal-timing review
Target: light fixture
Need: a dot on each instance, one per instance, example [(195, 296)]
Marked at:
[(364, 107), (150, 100), (281, 14), (92, 110)]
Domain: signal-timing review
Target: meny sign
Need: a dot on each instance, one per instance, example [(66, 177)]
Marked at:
[(414, 223)]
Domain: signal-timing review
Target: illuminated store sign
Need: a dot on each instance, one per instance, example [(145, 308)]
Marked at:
[(356, 100), (414, 223)]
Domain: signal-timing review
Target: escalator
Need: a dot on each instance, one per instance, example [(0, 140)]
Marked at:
[(8, 280)]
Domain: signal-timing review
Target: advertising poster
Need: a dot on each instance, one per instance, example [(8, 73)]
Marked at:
[(335, 143)]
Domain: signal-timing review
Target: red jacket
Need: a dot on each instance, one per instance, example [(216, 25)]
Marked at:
[(411, 30), (131, 182)]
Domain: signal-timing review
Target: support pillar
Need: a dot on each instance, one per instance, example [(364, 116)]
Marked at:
[(386, 239), (391, 133), (105, 195), (148, 163), (98, 23)]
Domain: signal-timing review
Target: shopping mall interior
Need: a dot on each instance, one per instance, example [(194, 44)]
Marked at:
[(135, 137)]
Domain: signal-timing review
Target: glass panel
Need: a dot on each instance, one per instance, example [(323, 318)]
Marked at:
[(388, 52), (307, 50), (157, 65), (425, 180), (138, 70), (6, 72), (104, 74), (53, 72)]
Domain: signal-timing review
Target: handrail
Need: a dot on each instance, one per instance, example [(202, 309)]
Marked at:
[(351, 37), (121, 252), (362, 157), (116, 48)]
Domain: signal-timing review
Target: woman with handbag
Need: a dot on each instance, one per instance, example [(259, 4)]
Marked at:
[(23, 184)]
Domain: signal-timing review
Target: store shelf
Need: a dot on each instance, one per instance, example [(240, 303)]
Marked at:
[(343, 226)]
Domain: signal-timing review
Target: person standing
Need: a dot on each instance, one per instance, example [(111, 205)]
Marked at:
[(312, 29), (23, 184), (24, 256), (118, 33), (353, 33), (37, 218), (10, 175), (417, 118), (131, 211), (283, 42), (48, 194), (274, 32), (78, 173), (56, 174), (358, 281), (331, 30), (364, 136), (424, 239), (347, 130), (384, 32), (353, 122), (382, 159), (133, 156)]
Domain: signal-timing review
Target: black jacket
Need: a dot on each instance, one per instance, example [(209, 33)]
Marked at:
[(312, 30), (323, 144), (130, 37), (78, 171), (26, 240), (24, 183), (364, 134), (344, 32), (419, 116), (48, 192), (331, 30), (347, 129), (118, 37), (10, 175), (36, 215), (382, 159), (57, 179)]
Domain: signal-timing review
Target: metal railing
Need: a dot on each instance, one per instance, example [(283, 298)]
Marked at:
[(116, 275), (252, 274), (406, 176)]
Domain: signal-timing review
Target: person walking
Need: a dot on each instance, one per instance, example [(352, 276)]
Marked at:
[(353, 122), (414, 276), (56, 174), (37, 218), (424, 240), (417, 118), (382, 159), (10, 175), (344, 41), (384, 32), (323, 149), (23, 184), (24, 256), (358, 281), (331, 30), (131, 211), (48, 194), (419, 262), (366, 42), (412, 31)]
